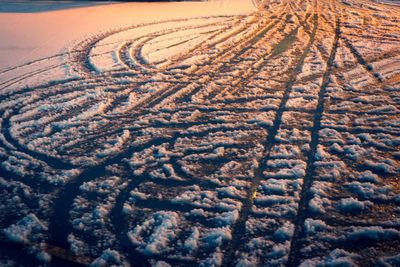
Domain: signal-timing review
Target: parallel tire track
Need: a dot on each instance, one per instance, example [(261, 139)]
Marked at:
[(293, 259), (238, 233)]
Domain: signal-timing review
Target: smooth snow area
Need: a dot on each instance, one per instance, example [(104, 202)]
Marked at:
[(24, 6), (28, 36)]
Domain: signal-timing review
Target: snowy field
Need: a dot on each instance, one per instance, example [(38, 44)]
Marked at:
[(219, 133)]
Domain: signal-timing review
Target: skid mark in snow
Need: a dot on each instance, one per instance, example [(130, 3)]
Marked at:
[(263, 140), (310, 169)]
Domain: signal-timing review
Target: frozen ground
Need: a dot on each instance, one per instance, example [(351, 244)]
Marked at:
[(29, 31), (223, 133)]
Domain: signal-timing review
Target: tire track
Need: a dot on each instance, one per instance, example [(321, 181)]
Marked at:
[(138, 60), (293, 259), (362, 61), (164, 93), (238, 233), (154, 102), (277, 50), (60, 220)]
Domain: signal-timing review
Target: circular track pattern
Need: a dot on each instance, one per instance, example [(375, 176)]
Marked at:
[(270, 139)]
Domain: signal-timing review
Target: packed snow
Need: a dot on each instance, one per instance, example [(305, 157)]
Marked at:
[(207, 133)]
